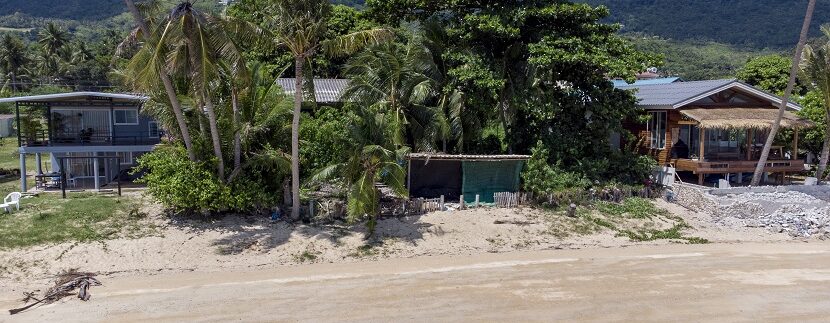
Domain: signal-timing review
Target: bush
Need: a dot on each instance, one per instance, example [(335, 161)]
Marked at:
[(541, 177), (324, 136), (183, 185)]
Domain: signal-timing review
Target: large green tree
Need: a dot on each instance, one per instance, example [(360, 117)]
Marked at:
[(13, 58), (815, 67), (769, 73), (538, 69)]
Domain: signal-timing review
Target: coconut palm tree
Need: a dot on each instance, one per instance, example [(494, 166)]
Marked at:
[(52, 38), (12, 58), (376, 159), (815, 68), (158, 69), (805, 30), (300, 26)]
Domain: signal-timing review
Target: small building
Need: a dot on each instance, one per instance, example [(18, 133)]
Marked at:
[(714, 127), (92, 136), (434, 175)]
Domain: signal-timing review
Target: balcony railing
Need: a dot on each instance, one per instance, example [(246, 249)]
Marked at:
[(43, 139)]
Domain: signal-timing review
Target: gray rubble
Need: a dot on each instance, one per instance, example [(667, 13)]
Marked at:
[(795, 213)]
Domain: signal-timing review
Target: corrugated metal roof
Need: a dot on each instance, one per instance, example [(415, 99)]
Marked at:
[(325, 90), (75, 95), (667, 95), (678, 94), (666, 80), (466, 157)]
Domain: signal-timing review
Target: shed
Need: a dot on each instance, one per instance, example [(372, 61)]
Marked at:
[(433, 175)]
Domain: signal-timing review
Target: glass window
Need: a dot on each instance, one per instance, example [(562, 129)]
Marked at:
[(125, 158), (153, 129), (126, 116), (657, 128)]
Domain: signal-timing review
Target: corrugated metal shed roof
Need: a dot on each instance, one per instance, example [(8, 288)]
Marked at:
[(466, 157), (666, 80), (325, 90), (74, 95)]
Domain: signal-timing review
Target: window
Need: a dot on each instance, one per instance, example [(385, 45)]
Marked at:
[(126, 116), (657, 128), (125, 158), (153, 129)]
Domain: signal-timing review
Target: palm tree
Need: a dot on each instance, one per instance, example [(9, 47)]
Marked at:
[(815, 67), (161, 70), (52, 38), (376, 159), (196, 45), (300, 26), (805, 29), (12, 58)]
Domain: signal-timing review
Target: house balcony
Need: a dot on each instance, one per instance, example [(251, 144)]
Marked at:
[(44, 139)]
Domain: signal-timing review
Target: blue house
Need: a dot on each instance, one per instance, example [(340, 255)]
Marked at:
[(93, 137)]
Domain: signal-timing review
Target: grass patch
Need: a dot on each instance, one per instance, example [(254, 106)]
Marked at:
[(635, 207), (635, 218), (306, 256), (49, 219)]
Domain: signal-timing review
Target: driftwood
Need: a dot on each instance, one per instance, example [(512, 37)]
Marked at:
[(65, 285)]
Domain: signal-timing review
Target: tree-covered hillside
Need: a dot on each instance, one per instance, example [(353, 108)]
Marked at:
[(749, 23), (64, 9)]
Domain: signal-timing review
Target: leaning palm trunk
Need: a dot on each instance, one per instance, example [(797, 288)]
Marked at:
[(295, 137), (168, 85), (214, 136), (805, 29)]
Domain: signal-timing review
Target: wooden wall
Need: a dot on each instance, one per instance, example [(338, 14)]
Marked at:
[(673, 118)]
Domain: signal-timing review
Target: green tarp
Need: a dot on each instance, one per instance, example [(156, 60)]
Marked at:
[(488, 177)]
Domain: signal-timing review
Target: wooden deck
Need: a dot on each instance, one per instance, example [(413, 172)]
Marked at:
[(702, 168)]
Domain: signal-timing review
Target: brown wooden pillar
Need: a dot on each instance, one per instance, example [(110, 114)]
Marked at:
[(749, 145), (700, 179), (795, 145), (702, 139)]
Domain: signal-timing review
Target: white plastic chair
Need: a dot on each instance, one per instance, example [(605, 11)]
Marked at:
[(12, 199)]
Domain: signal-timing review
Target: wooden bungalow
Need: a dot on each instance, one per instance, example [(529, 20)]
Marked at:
[(714, 127)]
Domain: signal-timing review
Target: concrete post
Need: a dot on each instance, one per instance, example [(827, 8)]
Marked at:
[(23, 184), (95, 173), (477, 199), (441, 205), (39, 164), (461, 202)]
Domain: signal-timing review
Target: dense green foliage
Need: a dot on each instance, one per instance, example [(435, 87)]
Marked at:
[(769, 73), (539, 176), (183, 185), (813, 109), (752, 23)]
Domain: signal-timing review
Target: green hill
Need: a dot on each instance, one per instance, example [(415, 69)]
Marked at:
[(747, 23), (64, 9)]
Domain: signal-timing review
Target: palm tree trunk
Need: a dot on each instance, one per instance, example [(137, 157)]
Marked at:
[(168, 85), (214, 136), (237, 141), (825, 154), (805, 29), (295, 137)]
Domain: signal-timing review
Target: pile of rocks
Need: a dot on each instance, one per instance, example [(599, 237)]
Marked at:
[(795, 213)]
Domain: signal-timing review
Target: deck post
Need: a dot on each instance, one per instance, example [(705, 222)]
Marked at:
[(39, 164), (749, 145), (95, 172), (700, 179), (795, 145), (23, 183), (702, 139)]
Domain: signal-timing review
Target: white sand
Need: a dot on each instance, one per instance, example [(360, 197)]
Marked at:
[(253, 242)]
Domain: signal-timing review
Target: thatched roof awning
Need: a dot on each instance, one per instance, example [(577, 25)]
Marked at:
[(743, 118)]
